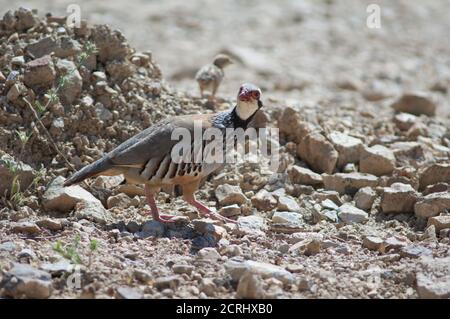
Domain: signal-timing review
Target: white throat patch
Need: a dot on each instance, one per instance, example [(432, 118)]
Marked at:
[(246, 109)]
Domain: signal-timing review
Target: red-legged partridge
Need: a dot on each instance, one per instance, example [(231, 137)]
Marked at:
[(147, 157)]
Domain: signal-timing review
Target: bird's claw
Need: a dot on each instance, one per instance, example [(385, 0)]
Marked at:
[(166, 218), (217, 216)]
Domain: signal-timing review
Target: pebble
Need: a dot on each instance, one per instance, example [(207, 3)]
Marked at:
[(416, 103), (236, 269), (142, 275), (228, 194), (350, 214), (182, 269), (208, 254), (377, 160), (230, 211), (128, 293), (287, 203), (349, 183), (263, 200), (208, 287), (432, 205), (372, 242), (348, 147), (26, 281), (318, 152), (250, 286), (8, 246), (303, 176), (168, 282), (429, 284), (440, 222), (398, 198), (251, 225), (294, 219), (29, 228), (50, 224), (365, 198), (152, 228)]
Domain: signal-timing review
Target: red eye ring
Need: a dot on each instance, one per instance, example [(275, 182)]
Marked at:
[(255, 94)]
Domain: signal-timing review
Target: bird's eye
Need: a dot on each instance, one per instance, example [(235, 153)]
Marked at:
[(255, 94)]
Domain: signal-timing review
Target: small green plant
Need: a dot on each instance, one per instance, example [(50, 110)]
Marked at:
[(41, 109), (70, 251), (16, 197), (93, 246), (23, 138)]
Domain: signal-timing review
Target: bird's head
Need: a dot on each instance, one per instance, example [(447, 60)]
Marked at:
[(222, 60), (248, 101)]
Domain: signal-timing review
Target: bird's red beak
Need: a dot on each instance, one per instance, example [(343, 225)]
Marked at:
[(245, 96)]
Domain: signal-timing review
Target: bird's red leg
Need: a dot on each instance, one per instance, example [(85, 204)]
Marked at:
[(154, 209), (208, 212), (204, 210), (188, 196)]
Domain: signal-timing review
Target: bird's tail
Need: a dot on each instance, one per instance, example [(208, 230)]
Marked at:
[(100, 166)]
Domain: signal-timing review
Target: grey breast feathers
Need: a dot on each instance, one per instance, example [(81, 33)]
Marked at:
[(209, 73)]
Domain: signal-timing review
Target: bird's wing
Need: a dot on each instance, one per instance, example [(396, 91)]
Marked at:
[(208, 73), (154, 142)]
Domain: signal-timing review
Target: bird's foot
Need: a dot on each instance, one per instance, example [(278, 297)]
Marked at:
[(217, 216), (166, 218)]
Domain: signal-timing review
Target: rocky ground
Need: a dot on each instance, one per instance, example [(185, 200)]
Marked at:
[(360, 207)]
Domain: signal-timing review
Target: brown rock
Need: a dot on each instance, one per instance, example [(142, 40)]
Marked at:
[(119, 70), (304, 176), (348, 147), (24, 19), (29, 228), (51, 224), (399, 198), (264, 201), (250, 286), (72, 88), (439, 222), (349, 183), (111, 45), (229, 194), (372, 242), (318, 152), (404, 121), (39, 73), (415, 103), (364, 198), (41, 47), (292, 126), (120, 200), (377, 160), (436, 188), (432, 205), (231, 210), (434, 281), (436, 173), (26, 281)]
